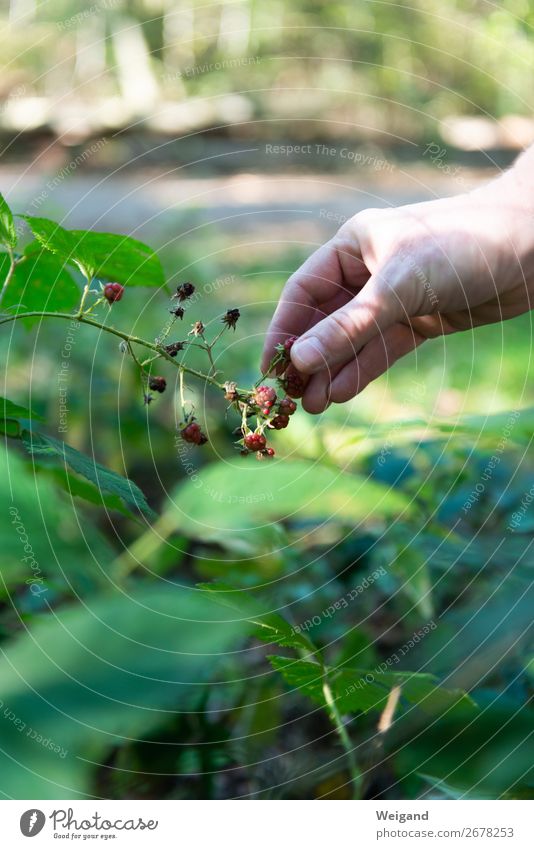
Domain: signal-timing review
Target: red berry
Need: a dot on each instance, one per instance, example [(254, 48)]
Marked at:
[(280, 422), (264, 397), (255, 441), (286, 407), (157, 384), (192, 433), (113, 292), (288, 344), (266, 411), (270, 452), (293, 383)]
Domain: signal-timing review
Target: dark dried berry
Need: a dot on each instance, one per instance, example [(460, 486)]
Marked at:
[(113, 292), (174, 347), (264, 397), (179, 312), (157, 384), (255, 441), (231, 317), (280, 422), (184, 291), (286, 407)]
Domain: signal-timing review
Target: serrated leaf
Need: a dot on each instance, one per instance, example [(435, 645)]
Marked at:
[(40, 283), (109, 255), (106, 480), (121, 258), (8, 234), (78, 488), (270, 627), (62, 242), (364, 690)]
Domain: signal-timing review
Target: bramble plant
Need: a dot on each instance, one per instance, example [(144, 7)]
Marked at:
[(37, 283)]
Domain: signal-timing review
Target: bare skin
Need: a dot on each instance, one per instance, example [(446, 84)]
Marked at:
[(392, 278)]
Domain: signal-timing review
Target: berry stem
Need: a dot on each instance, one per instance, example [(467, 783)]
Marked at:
[(136, 340)]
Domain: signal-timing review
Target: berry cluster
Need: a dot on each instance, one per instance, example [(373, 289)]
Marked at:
[(263, 403)]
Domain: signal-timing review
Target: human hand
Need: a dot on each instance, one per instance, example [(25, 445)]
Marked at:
[(392, 278)]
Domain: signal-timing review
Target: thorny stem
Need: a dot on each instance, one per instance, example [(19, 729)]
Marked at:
[(135, 340), (335, 716), (276, 360)]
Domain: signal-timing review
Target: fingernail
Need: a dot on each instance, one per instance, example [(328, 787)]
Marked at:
[(307, 355)]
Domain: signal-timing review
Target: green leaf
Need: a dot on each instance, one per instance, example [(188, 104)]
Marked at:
[(270, 627), (364, 690), (482, 755), (121, 258), (78, 488), (8, 234), (62, 242), (13, 418), (241, 500), (106, 480), (88, 677), (41, 284), (109, 255), (44, 553)]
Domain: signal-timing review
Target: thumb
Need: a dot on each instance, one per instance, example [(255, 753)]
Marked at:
[(338, 337)]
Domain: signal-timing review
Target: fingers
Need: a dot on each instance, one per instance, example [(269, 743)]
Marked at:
[(338, 338), (349, 379), (316, 282)]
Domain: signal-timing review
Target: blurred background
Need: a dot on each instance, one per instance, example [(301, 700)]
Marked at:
[(235, 138)]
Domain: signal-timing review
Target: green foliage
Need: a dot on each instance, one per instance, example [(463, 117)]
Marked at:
[(90, 676), (8, 234), (40, 283), (364, 690), (108, 255), (106, 480), (263, 493)]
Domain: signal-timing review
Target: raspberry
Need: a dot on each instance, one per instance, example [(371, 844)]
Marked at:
[(255, 441), (192, 433), (265, 411), (113, 292), (157, 384), (280, 422), (264, 397), (288, 344), (286, 407), (293, 384), (270, 452)]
